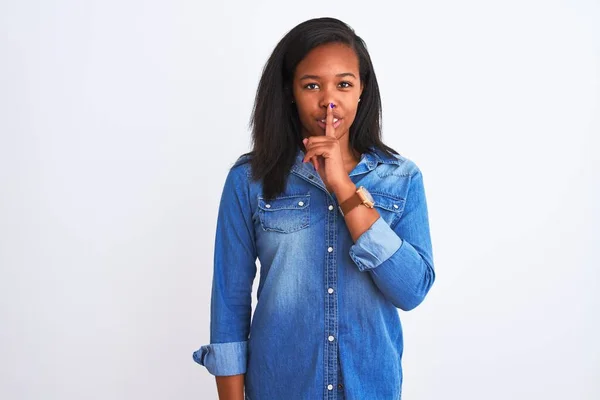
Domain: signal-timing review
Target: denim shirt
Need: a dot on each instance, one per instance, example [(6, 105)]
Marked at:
[(326, 322)]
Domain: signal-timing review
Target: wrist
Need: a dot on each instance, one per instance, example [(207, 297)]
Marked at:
[(344, 191)]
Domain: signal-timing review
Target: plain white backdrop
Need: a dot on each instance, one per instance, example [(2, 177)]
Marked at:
[(120, 119)]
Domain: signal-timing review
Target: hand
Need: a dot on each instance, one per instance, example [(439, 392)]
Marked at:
[(326, 155)]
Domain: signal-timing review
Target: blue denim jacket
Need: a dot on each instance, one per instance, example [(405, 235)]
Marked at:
[(326, 323)]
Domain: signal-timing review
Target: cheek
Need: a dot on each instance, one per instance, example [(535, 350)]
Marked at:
[(304, 111), (351, 116), (303, 114)]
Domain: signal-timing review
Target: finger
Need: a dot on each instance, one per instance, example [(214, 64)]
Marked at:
[(315, 140), (313, 159), (316, 151), (329, 129)]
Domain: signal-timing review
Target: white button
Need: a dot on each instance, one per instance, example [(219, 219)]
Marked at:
[(330, 290), (330, 249), (330, 338), (395, 205), (330, 387), (330, 207), (301, 203), (268, 205)]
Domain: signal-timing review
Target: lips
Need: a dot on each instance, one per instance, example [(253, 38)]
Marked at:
[(323, 122)]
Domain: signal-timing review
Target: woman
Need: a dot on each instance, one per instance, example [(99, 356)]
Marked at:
[(339, 223)]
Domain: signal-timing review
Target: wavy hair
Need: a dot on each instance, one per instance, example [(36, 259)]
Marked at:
[(275, 124)]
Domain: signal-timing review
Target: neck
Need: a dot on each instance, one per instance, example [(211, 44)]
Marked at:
[(349, 155), (351, 158)]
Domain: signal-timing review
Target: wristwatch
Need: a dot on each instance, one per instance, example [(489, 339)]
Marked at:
[(361, 196)]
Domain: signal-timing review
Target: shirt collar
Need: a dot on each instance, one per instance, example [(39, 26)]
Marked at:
[(377, 156), (368, 161)]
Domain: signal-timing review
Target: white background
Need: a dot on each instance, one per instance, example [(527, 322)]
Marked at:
[(120, 119)]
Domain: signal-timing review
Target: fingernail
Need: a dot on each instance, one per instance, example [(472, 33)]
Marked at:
[(331, 105)]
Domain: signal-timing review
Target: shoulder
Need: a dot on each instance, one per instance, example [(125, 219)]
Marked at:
[(408, 166), (242, 159), (394, 164), (241, 166), (239, 176)]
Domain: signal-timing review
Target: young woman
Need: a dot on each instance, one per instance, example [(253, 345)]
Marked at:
[(339, 223)]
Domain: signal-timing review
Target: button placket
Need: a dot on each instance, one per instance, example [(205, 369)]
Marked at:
[(331, 322)]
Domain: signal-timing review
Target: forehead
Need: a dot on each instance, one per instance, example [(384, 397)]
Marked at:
[(328, 59)]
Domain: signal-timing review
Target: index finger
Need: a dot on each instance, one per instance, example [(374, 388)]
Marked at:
[(329, 129)]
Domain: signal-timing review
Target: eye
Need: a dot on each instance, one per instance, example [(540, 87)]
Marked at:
[(310, 84), (347, 83)]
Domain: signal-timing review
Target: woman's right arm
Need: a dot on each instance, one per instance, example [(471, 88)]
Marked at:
[(231, 299), (230, 387)]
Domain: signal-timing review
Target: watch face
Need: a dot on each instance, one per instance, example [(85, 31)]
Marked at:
[(367, 195)]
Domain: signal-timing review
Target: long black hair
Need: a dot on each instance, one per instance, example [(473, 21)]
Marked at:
[(276, 128)]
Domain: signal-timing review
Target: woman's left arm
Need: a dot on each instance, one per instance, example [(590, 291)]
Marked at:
[(400, 260)]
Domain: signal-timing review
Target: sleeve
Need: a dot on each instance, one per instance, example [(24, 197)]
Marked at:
[(233, 275), (400, 259)]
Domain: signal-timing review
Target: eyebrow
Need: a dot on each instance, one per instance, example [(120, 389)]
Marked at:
[(338, 75)]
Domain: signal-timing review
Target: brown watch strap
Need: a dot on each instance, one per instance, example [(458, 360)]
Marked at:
[(350, 203)]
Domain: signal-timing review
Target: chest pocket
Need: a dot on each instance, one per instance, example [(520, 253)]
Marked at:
[(390, 207), (284, 214)]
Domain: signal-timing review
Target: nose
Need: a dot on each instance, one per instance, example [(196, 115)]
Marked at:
[(328, 97)]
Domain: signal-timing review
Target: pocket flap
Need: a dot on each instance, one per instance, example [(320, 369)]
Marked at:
[(388, 202), (294, 202)]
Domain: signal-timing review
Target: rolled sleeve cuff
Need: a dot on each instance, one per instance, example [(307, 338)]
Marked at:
[(375, 245), (223, 358)]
